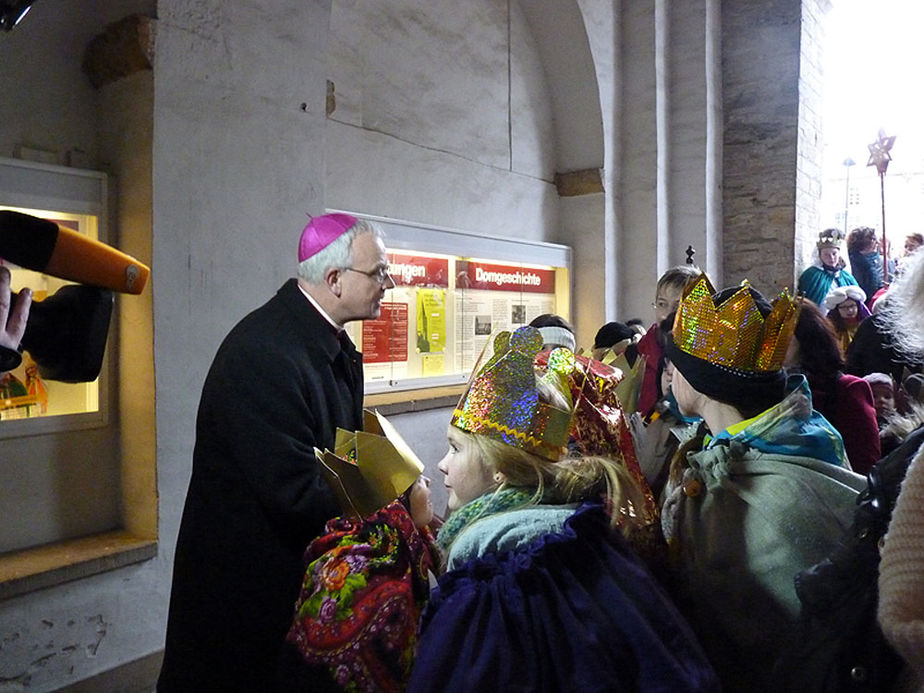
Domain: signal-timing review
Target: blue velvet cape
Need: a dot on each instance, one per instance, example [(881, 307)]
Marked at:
[(573, 611)]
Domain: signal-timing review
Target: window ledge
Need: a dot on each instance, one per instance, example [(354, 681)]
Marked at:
[(54, 564)]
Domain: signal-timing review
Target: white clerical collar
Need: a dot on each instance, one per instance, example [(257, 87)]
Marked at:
[(323, 312)]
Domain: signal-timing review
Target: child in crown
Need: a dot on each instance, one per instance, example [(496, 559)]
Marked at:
[(368, 574), (542, 592), (762, 493)]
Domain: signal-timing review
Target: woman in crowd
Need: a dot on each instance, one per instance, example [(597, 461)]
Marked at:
[(865, 259), (828, 270), (541, 593), (367, 578), (762, 493), (844, 400), (846, 310), (901, 572)]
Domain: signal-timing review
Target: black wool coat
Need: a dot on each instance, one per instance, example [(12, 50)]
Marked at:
[(281, 383)]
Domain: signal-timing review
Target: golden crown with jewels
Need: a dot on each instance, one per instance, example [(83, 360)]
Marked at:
[(735, 335)]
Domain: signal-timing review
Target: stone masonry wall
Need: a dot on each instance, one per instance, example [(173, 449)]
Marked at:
[(760, 65), (810, 141)]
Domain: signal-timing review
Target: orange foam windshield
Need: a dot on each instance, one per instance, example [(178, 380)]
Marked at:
[(81, 259)]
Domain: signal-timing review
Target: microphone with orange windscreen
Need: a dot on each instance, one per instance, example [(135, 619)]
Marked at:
[(44, 246)]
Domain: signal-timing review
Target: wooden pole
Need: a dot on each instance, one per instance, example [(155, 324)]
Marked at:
[(885, 243)]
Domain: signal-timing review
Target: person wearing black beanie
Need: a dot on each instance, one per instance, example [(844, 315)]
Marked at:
[(762, 492)]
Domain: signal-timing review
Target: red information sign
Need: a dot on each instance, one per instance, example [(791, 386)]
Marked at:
[(413, 270), (385, 339), (481, 275)]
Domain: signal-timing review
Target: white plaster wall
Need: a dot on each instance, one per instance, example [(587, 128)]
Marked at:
[(687, 30), (582, 221), (602, 22), (40, 64), (238, 160), (441, 117), (562, 39), (639, 162)]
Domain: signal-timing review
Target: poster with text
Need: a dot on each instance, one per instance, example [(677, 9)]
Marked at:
[(431, 320), (384, 339)]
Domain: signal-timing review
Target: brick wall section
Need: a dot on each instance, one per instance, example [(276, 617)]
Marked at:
[(760, 95)]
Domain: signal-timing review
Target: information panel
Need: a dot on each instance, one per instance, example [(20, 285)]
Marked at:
[(447, 302)]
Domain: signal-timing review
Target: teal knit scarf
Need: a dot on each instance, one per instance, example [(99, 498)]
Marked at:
[(489, 504)]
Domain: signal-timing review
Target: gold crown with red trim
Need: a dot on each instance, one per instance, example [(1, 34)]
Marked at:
[(735, 335), (370, 468), (503, 401)]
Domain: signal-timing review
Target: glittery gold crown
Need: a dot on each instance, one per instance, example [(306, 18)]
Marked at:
[(734, 335), (370, 468), (503, 402)]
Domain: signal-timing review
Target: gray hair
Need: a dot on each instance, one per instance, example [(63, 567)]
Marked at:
[(337, 255), (903, 312)]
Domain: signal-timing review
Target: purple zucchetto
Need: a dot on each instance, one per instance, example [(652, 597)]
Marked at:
[(321, 232)]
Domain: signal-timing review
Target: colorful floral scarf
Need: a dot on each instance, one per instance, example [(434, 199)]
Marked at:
[(488, 504), (365, 586)]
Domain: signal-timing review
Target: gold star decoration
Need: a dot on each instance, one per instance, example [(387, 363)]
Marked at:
[(879, 152)]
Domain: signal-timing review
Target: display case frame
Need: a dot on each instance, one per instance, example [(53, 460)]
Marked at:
[(50, 191), (427, 262)]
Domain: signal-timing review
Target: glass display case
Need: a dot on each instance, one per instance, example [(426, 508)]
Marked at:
[(452, 291)]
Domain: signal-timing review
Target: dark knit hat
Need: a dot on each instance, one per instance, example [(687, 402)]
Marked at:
[(613, 333)]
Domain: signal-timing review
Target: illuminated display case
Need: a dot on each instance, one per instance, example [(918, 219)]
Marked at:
[(75, 199), (452, 291)]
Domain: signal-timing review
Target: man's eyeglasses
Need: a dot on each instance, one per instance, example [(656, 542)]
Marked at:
[(380, 274)]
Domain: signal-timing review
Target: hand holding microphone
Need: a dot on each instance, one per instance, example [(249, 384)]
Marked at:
[(44, 246), (66, 333)]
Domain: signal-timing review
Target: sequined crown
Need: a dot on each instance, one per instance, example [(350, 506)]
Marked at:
[(503, 402), (370, 468), (734, 335)]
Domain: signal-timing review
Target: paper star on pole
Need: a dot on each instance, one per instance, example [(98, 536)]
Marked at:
[(879, 152)]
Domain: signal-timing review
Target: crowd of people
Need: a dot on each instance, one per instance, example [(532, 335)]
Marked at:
[(696, 506)]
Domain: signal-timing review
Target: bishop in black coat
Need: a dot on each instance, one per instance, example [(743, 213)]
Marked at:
[(281, 383)]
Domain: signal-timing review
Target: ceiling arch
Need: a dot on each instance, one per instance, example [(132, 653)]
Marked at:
[(558, 28)]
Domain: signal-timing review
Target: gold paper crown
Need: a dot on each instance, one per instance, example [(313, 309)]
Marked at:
[(628, 388), (370, 468), (734, 335), (502, 401)]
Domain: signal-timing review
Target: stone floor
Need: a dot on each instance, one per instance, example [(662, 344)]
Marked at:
[(139, 676)]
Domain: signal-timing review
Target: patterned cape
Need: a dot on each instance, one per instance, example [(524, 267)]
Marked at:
[(360, 602)]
